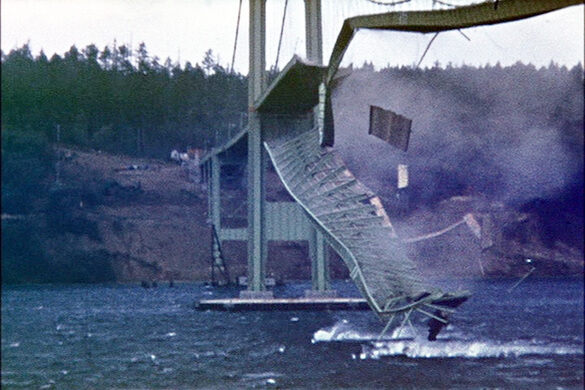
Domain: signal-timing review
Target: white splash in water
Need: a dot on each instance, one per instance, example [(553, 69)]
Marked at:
[(49, 385), (341, 331), (262, 375), (452, 344), (405, 332), (464, 349)]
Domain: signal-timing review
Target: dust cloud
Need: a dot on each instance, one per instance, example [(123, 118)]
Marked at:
[(513, 134)]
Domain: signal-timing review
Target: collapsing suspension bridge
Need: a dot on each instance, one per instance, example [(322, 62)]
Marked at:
[(292, 120)]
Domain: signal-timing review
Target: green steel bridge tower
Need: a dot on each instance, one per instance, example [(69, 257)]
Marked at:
[(268, 220)]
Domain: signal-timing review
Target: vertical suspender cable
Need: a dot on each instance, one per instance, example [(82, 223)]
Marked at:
[(236, 39), (427, 49), (281, 32)]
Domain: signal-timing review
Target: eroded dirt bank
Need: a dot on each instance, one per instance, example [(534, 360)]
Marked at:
[(123, 219)]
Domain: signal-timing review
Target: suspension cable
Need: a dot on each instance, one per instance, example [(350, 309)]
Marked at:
[(389, 3), (281, 33), (444, 3), (435, 234), (236, 39), (427, 49)]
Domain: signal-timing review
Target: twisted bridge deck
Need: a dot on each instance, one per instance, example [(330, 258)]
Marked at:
[(350, 216)]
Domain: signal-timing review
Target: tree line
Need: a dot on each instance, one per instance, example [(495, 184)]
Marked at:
[(119, 101), (129, 102)]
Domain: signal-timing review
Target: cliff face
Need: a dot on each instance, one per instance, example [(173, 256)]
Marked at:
[(113, 218), (122, 219)]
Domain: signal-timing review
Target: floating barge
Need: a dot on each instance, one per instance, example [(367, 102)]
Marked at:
[(282, 304)]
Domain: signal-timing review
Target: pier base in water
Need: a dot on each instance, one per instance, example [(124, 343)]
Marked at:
[(320, 294), (283, 304), (254, 295)]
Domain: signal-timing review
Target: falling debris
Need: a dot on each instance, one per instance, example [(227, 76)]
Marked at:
[(402, 176), (487, 232), (390, 127), (473, 225), (467, 219)]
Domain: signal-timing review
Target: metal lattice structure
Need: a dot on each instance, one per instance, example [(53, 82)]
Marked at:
[(349, 215)]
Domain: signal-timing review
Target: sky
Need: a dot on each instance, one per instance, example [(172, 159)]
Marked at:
[(184, 30)]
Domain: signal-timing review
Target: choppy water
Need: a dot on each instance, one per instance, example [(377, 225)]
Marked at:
[(111, 336)]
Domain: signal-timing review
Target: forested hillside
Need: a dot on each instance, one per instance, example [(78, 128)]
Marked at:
[(512, 135), (119, 101), (111, 100)]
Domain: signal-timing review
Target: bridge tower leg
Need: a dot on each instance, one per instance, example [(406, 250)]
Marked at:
[(257, 241), (313, 32), (318, 248)]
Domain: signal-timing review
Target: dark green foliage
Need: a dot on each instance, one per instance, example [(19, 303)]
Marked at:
[(23, 259), (26, 161), (64, 216), (90, 267), (113, 101), (130, 103)]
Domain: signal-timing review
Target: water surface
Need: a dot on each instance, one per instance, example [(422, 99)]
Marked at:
[(125, 336)]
